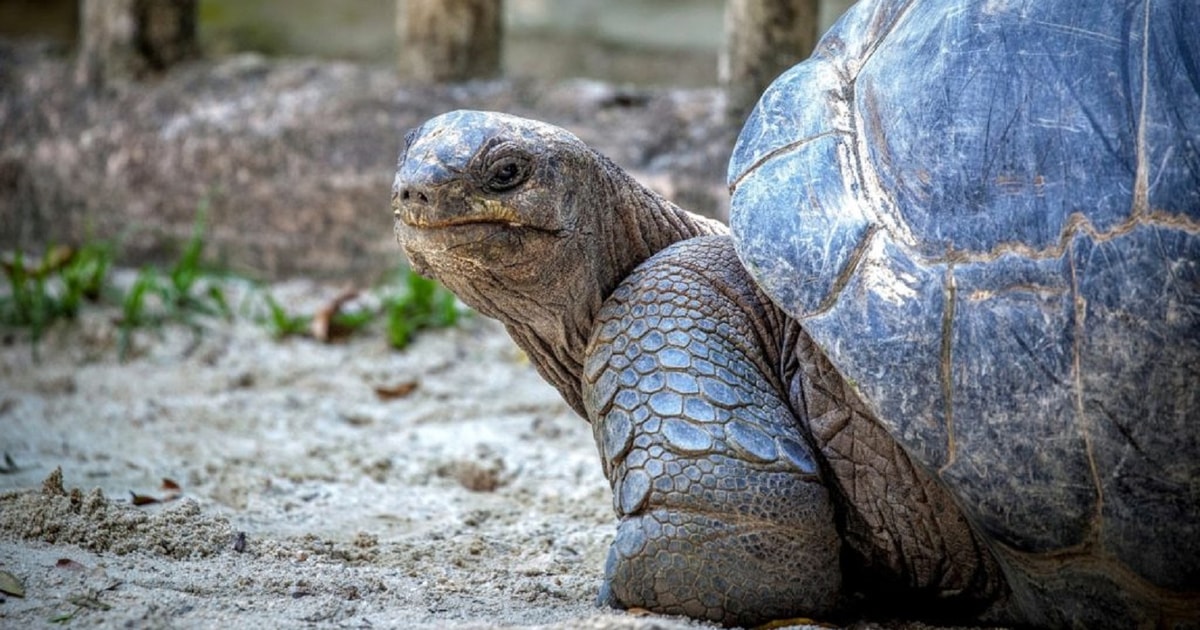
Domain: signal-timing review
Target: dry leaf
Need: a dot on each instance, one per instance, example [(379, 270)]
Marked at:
[(171, 490), (322, 322), (142, 499), (400, 390), (10, 585), (69, 564)]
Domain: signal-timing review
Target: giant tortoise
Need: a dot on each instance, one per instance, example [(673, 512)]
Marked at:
[(946, 361)]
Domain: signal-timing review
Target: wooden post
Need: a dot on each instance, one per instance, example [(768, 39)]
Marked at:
[(762, 39), (449, 40), (129, 39)]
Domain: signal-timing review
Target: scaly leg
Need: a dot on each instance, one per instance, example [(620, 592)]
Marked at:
[(724, 515)]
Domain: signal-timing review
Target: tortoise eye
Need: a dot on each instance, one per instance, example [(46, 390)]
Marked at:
[(507, 173)]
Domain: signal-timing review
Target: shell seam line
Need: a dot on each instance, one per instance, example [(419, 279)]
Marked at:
[(897, 18), (791, 146), (1075, 224), (947, 368), (875, 199), (848, 271)]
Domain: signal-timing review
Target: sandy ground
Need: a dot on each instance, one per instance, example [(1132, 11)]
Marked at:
[(306, 499)]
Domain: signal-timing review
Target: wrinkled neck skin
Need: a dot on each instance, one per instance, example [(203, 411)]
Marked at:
[(617, 223)]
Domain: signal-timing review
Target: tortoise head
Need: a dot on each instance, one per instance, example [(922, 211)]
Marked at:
[(528, 225), (494, 205)]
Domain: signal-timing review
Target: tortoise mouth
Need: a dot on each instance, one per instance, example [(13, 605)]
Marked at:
[(468, 232), (450, 211), (432, 224)]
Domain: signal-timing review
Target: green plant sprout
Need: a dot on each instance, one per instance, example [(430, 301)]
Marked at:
[(54, 289), (423, 304), (408, 304), (178, 295), (65, 278), (281, 323)]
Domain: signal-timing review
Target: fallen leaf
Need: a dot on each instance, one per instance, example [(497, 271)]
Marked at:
[(142, 499), (400, 390), (170, 489), (11, 585), (322, 322), (69, 564)]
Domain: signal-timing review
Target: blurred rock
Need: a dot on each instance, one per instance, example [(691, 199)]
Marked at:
[(293, 159)]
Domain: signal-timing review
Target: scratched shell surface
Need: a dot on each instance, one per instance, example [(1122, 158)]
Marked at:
[(988, 216)]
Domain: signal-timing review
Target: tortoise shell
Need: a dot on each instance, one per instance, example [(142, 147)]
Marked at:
[(987, 214)]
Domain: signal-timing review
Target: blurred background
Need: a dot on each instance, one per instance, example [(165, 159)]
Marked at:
[(282, 119), (643, 42)]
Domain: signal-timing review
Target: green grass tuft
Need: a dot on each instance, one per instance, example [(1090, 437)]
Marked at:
[(180, 294), (422, 303), (282, 323), (408, 303), (55, 289), (64, 279)]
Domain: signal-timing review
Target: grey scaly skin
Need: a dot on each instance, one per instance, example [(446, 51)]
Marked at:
[(718, 492), (749, 481)]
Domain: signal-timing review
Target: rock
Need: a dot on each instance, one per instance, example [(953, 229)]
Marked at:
[(292, 159)]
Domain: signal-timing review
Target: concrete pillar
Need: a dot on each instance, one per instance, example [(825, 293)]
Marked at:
[(762, 39), (130, 39), (449, 40)]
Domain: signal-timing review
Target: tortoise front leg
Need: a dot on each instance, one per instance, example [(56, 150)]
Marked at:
[(723, 512)]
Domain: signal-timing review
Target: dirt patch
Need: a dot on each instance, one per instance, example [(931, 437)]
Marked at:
[(57, 516), (474, 499)]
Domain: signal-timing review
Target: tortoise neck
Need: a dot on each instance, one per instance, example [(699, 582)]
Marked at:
[(644, 223), (632, 224)]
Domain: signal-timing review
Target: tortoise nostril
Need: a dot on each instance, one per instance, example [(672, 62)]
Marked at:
[(408, 194)]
